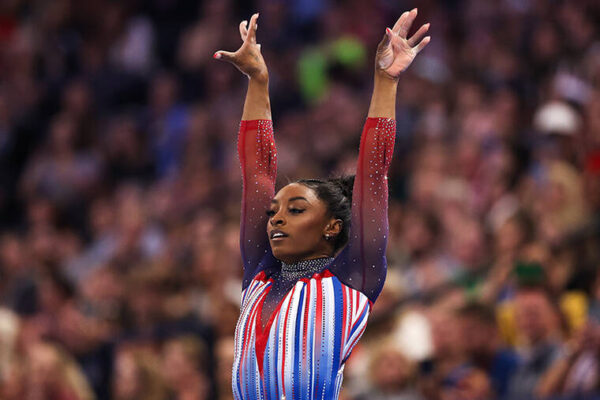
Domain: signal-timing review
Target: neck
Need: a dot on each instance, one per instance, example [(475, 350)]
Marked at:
[(317, 256), (305, 267)]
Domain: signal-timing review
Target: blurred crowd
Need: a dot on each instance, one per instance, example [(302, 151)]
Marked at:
[(120, 273)]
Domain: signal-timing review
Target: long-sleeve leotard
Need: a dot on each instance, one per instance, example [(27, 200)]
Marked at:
[(361, 264), (310, 326)]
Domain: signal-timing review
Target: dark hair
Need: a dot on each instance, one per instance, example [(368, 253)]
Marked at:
[(336, 193), (478, 310)]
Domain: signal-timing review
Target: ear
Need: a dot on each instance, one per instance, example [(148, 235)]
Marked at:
[(333, 228)]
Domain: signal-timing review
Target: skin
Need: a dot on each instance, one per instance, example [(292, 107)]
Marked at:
[(303, 217), (535, 316), (307, 229)]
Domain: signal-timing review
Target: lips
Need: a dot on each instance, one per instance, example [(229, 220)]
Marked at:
[(277, 234)]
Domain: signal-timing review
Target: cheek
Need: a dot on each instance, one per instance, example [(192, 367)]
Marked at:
[(306, 232), (310, 228)]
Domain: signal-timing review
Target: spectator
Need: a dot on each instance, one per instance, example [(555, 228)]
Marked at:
[(392, 375), (485, 348), (183, 369), (137, 375), (538, 323)]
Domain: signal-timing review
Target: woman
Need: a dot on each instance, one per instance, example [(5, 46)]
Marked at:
[(310, 282)]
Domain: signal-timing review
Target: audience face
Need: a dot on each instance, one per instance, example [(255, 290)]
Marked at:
[(391, 371), (43, 366), (480, 337), (447, 336), (11, 255), (127, 377), (535, 316)]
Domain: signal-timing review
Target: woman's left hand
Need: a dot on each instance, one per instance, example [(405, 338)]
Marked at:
[(396, 52)]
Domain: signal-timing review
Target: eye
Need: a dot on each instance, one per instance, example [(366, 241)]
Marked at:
[(270, 213), (296, 210)]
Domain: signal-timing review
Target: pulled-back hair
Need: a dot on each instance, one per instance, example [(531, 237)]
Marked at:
[(336, 193)]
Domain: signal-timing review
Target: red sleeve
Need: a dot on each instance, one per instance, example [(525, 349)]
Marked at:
[(258, 159), (362, 263)]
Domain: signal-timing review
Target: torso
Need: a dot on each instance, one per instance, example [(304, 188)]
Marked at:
[(300, 352)]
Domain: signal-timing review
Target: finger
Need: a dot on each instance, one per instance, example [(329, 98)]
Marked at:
[(422, 44), (399, 22), (414, 39), (386, 38), (407, 23), (244, 29), (252, 28), (224, 56)]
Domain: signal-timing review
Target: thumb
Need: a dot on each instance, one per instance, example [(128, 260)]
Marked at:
[(386, 39), (224, 55)]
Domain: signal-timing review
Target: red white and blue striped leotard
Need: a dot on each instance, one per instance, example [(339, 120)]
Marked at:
[(316, 322)]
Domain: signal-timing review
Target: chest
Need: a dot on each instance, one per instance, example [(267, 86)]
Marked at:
[(307, 339), (318, 313)]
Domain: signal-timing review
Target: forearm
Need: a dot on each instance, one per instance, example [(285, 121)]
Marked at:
[(383, 100), (361, 264), (257, 104), (552, 382), (258, 159)]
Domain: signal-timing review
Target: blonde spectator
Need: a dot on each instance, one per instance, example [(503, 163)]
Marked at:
[(9, 329), (51, 373), (391, 374), (183, 368), (137, 375), (562, 208)]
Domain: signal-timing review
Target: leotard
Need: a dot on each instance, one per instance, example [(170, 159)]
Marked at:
[(318, 308)]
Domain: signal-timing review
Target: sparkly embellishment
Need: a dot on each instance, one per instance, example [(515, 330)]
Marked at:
[(304, 268), (304, 320)]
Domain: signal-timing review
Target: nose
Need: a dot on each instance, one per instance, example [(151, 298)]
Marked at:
[(276, 219)]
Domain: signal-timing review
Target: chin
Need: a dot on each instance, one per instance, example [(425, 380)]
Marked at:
[(284, 256)]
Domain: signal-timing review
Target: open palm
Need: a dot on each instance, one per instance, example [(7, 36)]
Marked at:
[(248, 58), (396, 52)]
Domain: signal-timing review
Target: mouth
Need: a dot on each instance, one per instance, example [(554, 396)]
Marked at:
[(277, 235)]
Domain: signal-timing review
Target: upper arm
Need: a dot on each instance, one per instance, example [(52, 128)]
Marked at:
[(362, 264), (258, 159)]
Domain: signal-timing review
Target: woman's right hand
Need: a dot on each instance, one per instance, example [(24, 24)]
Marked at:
[(247, 58)]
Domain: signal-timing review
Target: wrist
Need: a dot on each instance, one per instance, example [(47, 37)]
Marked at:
[(384, 77), (261, 78), (384, 83)]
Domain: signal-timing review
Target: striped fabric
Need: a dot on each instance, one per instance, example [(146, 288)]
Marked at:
[(300, 354)]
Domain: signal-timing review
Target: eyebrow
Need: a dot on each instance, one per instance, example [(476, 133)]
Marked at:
[(274, 201)]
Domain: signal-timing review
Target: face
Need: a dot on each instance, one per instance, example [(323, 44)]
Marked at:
[(478, 335), (126, 383), (298, 224), (534, 315), (447, 337)]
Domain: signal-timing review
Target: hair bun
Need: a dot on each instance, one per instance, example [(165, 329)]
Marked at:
[(346, 184)]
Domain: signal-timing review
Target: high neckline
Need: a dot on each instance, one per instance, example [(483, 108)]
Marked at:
[(304, 267)]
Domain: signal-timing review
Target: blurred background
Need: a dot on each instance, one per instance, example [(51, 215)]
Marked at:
[(120, 189)]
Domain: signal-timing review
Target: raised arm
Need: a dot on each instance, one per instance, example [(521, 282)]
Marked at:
[(362, 263), (256, 150)]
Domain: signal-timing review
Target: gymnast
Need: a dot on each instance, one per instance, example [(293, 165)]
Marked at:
[(311, 279)]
